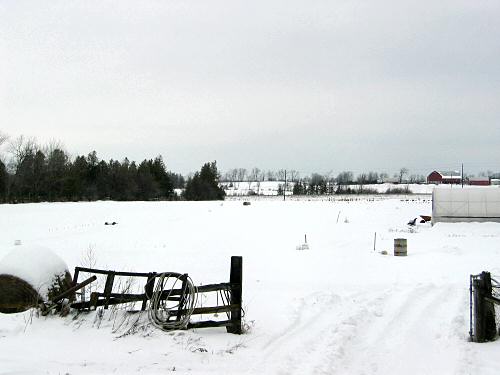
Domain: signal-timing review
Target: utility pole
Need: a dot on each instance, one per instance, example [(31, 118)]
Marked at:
[(462, 175), (284, 188)]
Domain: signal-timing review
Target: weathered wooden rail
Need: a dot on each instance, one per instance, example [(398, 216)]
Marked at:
[(232, 291)]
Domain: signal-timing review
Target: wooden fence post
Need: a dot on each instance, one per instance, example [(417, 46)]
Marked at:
[(236, 280), (182, 299), (108, 288), (75, 276), (75, 282), (148, 290)]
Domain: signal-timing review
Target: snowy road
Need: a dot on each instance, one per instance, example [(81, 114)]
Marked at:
[(392, 331)]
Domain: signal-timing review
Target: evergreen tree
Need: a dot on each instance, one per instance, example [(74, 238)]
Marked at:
[(122, 187), (39, 182), (162, 178), (57, 167), (178, 181), (102, 181), (204, 185), (4, 179), (76, 186), (23, 182), (147, 187), (299, 188), (51, 175)]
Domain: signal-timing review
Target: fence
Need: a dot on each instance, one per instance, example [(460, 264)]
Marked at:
[(230, 295)]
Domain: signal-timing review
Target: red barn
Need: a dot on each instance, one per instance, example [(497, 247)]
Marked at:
[(479, 181), (448, 177)]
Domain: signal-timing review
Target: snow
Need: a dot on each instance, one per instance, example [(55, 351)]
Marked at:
[(266, 188), (337, 308), (270, 188), (37, 265)]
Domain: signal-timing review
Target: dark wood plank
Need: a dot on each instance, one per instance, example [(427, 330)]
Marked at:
[(123, 273), (209, 323), (74, 289), (210, 309)]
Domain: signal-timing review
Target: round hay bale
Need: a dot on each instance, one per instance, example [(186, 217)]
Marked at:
[(16, 295), (31, 275)]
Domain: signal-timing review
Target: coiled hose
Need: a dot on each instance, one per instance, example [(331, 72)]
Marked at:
[(160, 314)]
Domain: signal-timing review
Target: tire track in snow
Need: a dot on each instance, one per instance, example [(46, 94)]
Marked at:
[(304, 341), (372, 333), (393, 341)]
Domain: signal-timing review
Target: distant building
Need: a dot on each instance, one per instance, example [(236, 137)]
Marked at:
[(441, 177), (495, 181), (479, 181), (390, 180)]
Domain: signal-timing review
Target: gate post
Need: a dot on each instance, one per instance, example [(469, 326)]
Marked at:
[(236, 280), (484, 311)]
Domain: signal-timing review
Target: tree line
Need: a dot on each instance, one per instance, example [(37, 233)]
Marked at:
[(30, 172), (37, 173), (320, 184)]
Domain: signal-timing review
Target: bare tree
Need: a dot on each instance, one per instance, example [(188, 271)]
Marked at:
[(254, 177), (21, 147), (402, 173), (416, 178), (254, 174), (280, 175), (241, 175), (373, 177), (53, 145), (343, 179), (362, 179), (271, 176), (233, 175), (226, 177), (3, 138), (293, 175)]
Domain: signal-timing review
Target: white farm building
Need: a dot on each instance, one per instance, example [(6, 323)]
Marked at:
[(467, 204)]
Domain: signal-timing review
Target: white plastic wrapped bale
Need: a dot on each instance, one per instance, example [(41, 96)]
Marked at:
[(30, 275), (457, 204)]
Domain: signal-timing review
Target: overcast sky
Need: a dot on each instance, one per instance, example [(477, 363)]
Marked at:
[(306, 85)]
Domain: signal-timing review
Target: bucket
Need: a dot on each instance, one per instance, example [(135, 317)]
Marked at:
[(400, 247)]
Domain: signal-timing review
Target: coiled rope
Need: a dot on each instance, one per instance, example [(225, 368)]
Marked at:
[(168, 317)]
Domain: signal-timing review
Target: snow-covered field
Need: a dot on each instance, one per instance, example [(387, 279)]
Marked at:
[(338, 308), (270, 188)]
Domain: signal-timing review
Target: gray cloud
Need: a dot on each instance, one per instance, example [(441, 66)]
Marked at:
[(315, 86)]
